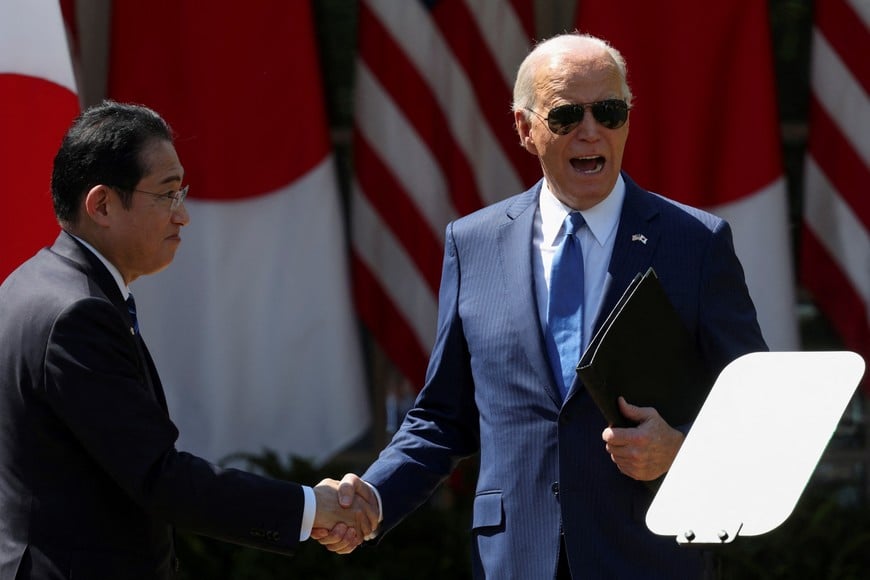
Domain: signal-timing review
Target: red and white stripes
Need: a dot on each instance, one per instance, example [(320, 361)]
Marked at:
[(835, 256), (433, 140)]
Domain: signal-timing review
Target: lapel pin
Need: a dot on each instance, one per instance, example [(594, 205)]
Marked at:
[(639, 238)]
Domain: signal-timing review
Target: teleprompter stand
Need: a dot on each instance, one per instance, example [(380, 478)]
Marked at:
[(754, 445)]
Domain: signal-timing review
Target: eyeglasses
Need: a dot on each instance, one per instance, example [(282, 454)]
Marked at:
[(177, 197), (561, 120)]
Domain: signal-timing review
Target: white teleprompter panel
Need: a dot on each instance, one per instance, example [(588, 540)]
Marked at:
[(754, 445)]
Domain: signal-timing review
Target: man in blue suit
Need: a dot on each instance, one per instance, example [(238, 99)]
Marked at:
[(560, 494), (91, 484)]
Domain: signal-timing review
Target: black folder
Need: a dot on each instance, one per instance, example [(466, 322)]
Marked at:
[(644, 353)]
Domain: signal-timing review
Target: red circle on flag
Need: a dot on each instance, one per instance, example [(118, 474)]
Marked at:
[(34, 116), (240, 88)]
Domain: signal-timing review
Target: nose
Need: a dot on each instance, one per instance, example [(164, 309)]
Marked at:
[(587, 130), (180, 215)]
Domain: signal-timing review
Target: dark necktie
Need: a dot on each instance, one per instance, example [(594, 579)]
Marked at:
[(565, 310), (131, 308)]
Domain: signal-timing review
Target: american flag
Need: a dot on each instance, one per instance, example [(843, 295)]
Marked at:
[(433, 140), (835, 255)]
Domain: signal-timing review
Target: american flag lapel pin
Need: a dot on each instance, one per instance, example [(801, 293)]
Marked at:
[(639, 238)]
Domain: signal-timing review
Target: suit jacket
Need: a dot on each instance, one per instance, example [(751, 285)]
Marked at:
[(490, 389), (91, 484)]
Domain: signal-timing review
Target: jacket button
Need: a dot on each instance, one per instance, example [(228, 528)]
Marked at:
[(555, 488)]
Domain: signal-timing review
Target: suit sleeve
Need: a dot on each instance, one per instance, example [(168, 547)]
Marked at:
[(728, 322), (96, 383), (442, 427)]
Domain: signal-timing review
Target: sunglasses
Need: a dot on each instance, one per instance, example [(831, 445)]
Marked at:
[(561, 120)]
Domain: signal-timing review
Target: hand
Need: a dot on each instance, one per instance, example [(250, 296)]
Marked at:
[(644, 452), (356, 518)]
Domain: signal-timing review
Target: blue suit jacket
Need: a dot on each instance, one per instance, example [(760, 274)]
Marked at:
[(489, 389), (90, 480)]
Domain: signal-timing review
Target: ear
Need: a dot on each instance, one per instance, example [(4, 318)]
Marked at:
[(98, 204), (524, 130)]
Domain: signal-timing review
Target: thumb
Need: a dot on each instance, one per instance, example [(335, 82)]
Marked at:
[(347, 488), (633, 412)]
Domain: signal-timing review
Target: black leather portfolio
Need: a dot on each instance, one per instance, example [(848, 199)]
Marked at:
[(644, 353)]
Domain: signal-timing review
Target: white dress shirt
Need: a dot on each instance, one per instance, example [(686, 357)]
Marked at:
[(596, 240)]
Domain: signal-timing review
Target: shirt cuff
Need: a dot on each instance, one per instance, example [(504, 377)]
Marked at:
[(374, 533), (308, 513)]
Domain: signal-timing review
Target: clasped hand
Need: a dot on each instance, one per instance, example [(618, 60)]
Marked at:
[(644, 452), (347, 513)]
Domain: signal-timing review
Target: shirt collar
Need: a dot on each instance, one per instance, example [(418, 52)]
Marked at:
[(116, 274), (601, 219)]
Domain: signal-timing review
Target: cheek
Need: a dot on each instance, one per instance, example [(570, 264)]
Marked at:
[(552, 147), (540, 140), (151, 238), (617, 145)]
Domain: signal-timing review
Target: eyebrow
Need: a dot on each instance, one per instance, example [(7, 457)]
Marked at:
[(170, 178)]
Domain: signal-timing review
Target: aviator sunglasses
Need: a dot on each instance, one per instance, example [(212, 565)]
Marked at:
[(561, 120)]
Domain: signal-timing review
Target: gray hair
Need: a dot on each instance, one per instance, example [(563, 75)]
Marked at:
[(524, 87)]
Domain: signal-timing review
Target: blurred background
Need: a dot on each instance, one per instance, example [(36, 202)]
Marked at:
[(329, 142)]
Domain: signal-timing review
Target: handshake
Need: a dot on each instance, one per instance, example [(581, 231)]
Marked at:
[(347, 513)]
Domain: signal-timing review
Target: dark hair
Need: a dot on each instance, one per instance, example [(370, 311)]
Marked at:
[(103, 146)]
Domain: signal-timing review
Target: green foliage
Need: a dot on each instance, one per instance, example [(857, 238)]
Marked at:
[(826, 538), (431, 544)]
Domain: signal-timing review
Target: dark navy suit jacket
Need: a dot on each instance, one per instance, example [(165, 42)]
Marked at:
[(489, 389), (90, 481)]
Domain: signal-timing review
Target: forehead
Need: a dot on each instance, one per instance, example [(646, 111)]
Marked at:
[(577, 76), (160, 163)]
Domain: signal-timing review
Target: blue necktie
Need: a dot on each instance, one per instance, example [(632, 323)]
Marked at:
[(131, 308), (565, 310)]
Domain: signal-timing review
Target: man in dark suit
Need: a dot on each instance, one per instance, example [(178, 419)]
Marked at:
[(559, 493), (91, 485)]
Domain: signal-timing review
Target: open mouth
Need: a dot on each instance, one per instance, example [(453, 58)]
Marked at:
[(589, 165)]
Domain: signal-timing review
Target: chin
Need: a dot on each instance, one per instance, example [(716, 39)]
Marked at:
[(161, 266), (585, 198)]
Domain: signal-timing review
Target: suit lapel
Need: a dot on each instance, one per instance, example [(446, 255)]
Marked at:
[(515, 256), (636, 239), (68, 247), (153, 377)]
